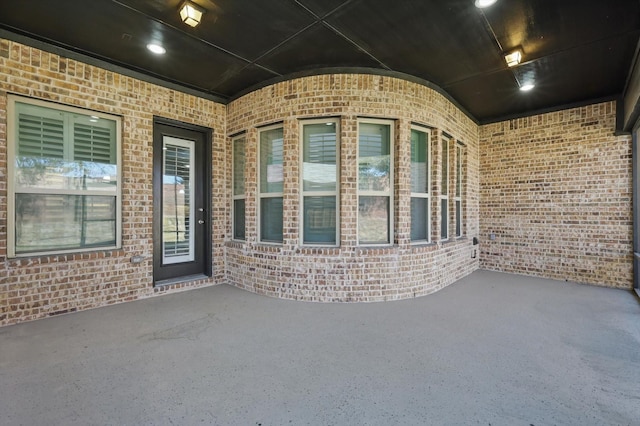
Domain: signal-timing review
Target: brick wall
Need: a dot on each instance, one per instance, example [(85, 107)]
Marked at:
[(351, 272), (37, 287), (555, 190)]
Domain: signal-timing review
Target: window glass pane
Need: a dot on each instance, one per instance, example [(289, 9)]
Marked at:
[(42, 161), (445, 166), (373, 220), (320, 219), (419, 162), (419, 216), (271, 219), (271, 161), (458, 218), (319, 157), (458, 171), (46, 222), (238, 220), (177, 208), (238, 166), (444, 218), (374, 164)]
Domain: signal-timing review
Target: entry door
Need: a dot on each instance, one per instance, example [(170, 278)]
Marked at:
[(181, 185)]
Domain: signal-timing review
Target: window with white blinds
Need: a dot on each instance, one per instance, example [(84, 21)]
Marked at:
[(320, 182), (271, 185), (64, 192)]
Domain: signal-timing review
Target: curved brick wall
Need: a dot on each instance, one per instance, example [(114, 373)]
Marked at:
[(351, 273)]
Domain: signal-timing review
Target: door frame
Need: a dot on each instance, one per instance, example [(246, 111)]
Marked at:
[(157, 180)]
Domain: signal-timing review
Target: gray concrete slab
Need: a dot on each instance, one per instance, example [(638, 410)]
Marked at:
[(492, 349)]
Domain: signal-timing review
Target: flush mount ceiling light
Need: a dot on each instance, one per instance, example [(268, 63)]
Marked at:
[(156, 48), (513, 58), (190, 13), (527, 87), (484, 3)]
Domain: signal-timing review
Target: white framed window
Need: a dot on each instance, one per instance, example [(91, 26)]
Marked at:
[(444, 189), (319, 182), (64, 179), (459, 183), (271, 183), (238, 164), (420, 184), (375, 182)]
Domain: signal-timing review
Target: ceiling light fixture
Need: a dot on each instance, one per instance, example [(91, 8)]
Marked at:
[(156, 48), (484, 3), (190, 13), (527, 87), (513, 58)]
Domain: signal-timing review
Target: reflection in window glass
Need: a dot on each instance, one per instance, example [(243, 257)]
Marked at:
[(319, 183), (374, 160), (320, 220), (271, 163), (375, 186), (373, 220), (444, 191), (420, 171), (49, 222), (238, 188), (64, 180), (271, 219)]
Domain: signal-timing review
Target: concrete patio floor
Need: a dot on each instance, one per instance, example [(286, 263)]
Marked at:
[(492, 349)]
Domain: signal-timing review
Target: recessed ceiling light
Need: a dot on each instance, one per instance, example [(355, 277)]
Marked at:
[(527, 87), (156, 48), (484, 3)]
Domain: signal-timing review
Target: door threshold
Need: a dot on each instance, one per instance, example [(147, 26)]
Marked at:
[(180, 280)]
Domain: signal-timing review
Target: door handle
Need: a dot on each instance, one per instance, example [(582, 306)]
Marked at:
[(200, 221)]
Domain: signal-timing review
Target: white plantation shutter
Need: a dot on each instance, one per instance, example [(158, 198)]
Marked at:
[(93, 143), (40, 137), (64, 179)]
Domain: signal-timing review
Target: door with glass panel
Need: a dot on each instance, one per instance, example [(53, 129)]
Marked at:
[(182, 225)]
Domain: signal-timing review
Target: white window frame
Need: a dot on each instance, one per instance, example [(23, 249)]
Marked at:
[(459, 189), (389, 193), (262, 195), (424, 195), (444, 194), (335, 193), (11, 173), (235, 197)]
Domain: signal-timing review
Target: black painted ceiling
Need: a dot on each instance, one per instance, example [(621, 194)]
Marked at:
[(575, 51)]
